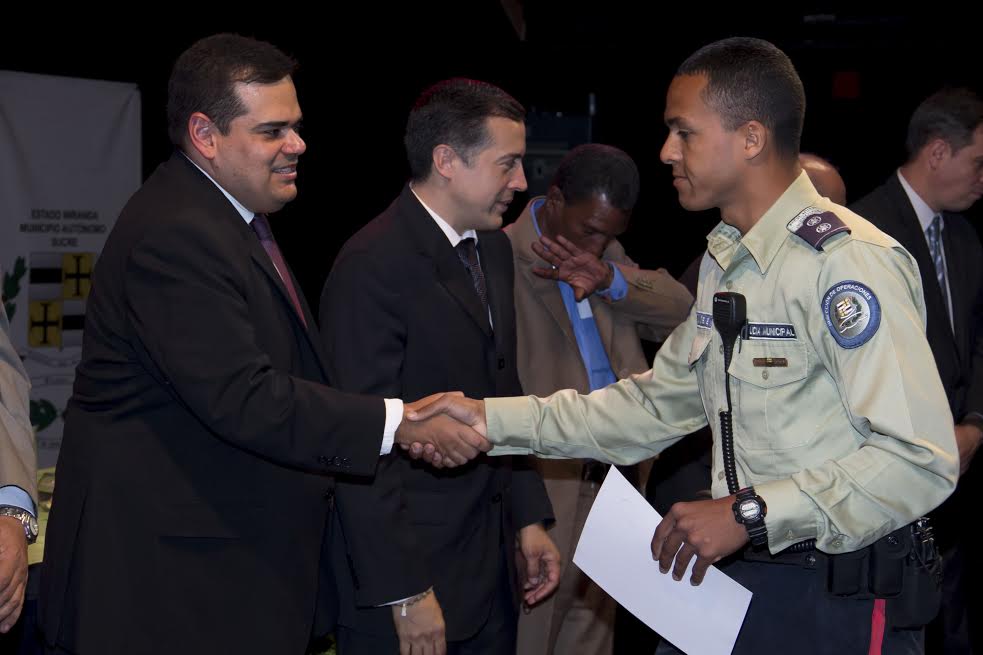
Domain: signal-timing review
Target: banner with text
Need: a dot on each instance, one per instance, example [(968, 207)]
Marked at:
[(69, 160)]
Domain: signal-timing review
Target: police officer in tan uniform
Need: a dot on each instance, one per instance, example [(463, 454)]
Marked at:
[(835, 432)]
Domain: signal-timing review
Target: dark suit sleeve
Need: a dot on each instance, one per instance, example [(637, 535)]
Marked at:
[(530, 503), (187, 300), (364, 339)]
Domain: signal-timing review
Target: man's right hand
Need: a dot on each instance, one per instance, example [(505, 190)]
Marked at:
[(465, 410), (439, 437), (421, 631), (582, 270), (13, 571), (968, 438)]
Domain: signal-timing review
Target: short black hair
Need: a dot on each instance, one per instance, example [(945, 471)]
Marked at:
[(454, 112), (951, 114), (751, 79), (594, 169), (205, 75)]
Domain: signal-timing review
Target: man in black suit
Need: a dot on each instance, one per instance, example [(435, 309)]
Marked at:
[(420, 301), (918, 205), (196, 473)]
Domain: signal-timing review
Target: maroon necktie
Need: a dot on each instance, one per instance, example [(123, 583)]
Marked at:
[(262, 228)]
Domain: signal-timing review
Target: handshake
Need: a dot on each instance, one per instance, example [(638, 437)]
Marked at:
[(445, 429)]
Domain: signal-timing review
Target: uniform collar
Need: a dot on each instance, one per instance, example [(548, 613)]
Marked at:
[(765, 239)]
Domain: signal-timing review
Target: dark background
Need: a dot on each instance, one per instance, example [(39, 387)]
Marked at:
[(363, 63)]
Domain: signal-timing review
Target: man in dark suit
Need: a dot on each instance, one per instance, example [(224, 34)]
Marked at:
[(420, 301), (918, 206), (195, 476)]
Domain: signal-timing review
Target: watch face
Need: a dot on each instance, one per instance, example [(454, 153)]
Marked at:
[(33, 525), (750, 510)]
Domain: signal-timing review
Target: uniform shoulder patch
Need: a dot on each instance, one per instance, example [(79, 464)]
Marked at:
[(852, 313), (815, 226)]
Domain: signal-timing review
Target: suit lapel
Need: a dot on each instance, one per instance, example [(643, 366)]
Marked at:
[(229, 218), (456, 279), (549, 295), (432, 243), (908, 231), (500, 296), (604, 320), (546, 291), (262, 259)]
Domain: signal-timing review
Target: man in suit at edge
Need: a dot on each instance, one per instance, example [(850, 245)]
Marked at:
[(919, 206), (432, 275), (196, 473)]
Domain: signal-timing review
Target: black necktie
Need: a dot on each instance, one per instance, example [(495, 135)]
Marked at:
[(468, 253)]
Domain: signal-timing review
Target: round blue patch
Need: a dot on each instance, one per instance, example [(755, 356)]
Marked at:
[(852, 313)]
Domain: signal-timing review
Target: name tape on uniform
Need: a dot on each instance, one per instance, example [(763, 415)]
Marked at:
[(773, 331)]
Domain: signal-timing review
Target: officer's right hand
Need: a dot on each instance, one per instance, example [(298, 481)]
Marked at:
[(705, 528)]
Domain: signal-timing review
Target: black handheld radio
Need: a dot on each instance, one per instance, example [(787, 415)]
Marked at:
[(729, 318)]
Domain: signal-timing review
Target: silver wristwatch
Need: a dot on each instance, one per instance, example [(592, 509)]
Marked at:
[(26, 519)]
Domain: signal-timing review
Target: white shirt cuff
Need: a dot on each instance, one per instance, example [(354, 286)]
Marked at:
[(394, 416), (397, 602)]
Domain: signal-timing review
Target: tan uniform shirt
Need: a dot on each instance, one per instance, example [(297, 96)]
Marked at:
[(845, 431)]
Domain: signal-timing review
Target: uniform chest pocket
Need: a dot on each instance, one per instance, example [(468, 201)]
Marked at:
[(771, 395)]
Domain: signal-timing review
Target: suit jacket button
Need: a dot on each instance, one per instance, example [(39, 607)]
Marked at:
[(501, 363), (497, 498)]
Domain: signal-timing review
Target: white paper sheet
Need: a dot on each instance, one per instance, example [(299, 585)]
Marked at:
[(615, 551)]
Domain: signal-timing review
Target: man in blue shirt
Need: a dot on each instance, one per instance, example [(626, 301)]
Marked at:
[(579, 327)]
